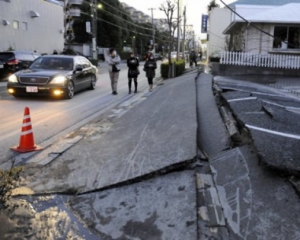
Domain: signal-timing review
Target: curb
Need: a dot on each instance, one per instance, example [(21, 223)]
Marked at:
[(209, 209)]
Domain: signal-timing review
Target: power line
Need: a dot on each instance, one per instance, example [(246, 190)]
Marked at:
[(250, 24), (124, 12), (117, 25)]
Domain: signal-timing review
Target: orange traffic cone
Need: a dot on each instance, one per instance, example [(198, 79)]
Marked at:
[(26, 139)]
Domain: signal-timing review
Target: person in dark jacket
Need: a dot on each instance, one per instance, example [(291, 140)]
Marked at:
[(149, 68), (133, 71), (193, 58)]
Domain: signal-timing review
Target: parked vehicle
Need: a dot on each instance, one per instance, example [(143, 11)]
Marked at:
[(13, 61), (54, 75), (158, 56)]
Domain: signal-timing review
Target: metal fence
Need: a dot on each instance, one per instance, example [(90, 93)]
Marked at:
[(261, 60)]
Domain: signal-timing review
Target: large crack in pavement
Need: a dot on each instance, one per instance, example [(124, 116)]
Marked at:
[(143, 163)]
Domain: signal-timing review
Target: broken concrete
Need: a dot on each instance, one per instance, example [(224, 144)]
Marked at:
[(209, 130), (156, 134), (256, 203), (275, 130), (160, 208)]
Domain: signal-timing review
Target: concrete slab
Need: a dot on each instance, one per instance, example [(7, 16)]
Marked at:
[(275, 132), (278, 152), (257, 204), (160, 208), (210, 123), (155, 134)]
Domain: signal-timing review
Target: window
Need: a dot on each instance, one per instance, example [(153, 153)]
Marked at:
[(286, 37), (16, 24), (24, 26)]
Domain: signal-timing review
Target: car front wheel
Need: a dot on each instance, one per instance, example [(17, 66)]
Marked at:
[(70, 90), (93, 82)]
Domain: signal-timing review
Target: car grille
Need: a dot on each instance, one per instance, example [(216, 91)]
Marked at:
[(34, 80)]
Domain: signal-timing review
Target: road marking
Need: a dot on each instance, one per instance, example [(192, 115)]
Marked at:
[(288, 135), (269, 94), (242, 99)]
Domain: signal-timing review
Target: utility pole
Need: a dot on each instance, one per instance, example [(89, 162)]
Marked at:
[(178, 27), (153, 31), (184, 23), (94, 40)]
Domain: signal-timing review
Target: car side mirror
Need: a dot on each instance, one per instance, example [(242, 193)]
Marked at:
[(78, 68)]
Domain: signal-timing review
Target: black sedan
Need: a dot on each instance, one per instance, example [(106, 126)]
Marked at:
[(54, 75)]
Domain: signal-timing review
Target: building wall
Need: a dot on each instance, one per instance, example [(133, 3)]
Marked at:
[(257, 41), (42, 34), (219, 19)]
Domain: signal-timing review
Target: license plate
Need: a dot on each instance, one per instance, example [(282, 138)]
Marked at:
[(1, 66), (32, 89)]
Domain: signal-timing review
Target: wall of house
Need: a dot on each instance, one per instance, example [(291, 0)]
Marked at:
[(219, 19), (258, 42), (218, 69), (42, 34)]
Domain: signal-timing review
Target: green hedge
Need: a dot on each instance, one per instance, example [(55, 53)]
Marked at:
[(179, 66)]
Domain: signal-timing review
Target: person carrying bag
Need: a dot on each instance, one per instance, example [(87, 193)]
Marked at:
[(133, 71), (149, 68)]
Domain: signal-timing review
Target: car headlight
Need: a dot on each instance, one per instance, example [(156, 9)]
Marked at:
[(13, 78), (58, 80)]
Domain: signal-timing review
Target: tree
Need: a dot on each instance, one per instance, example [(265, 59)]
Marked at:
[(212, 5), (112, 24), (169, 8)]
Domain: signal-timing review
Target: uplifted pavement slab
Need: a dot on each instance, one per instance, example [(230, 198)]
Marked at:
[(274, 128), (212, 135), (160, 208), (255, 89), (157, 133), (257, 203)]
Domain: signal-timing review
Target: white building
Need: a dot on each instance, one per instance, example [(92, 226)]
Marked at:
[(219, 19), (33, 25)]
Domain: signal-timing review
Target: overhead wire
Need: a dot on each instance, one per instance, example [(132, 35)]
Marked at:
[(137, 33), (251, 24), (163, 33)]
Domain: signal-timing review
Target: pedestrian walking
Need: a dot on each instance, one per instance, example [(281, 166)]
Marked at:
[(149, 68), (113, 60), (193, 58), (133, 71)]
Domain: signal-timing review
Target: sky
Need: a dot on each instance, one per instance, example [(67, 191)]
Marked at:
[(194, 9)]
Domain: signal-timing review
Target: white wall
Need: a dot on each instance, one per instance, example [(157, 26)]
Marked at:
[(219, 20), (43, 33), (258, 42)]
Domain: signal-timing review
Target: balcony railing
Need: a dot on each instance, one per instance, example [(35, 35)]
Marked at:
[(74, 12)]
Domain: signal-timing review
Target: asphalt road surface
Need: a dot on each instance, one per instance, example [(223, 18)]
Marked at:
[(52, 119)]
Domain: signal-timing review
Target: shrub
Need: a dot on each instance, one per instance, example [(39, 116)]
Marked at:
[(179, 68), (164, 70)]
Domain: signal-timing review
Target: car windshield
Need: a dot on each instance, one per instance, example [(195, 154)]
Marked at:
[(52, 63)]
